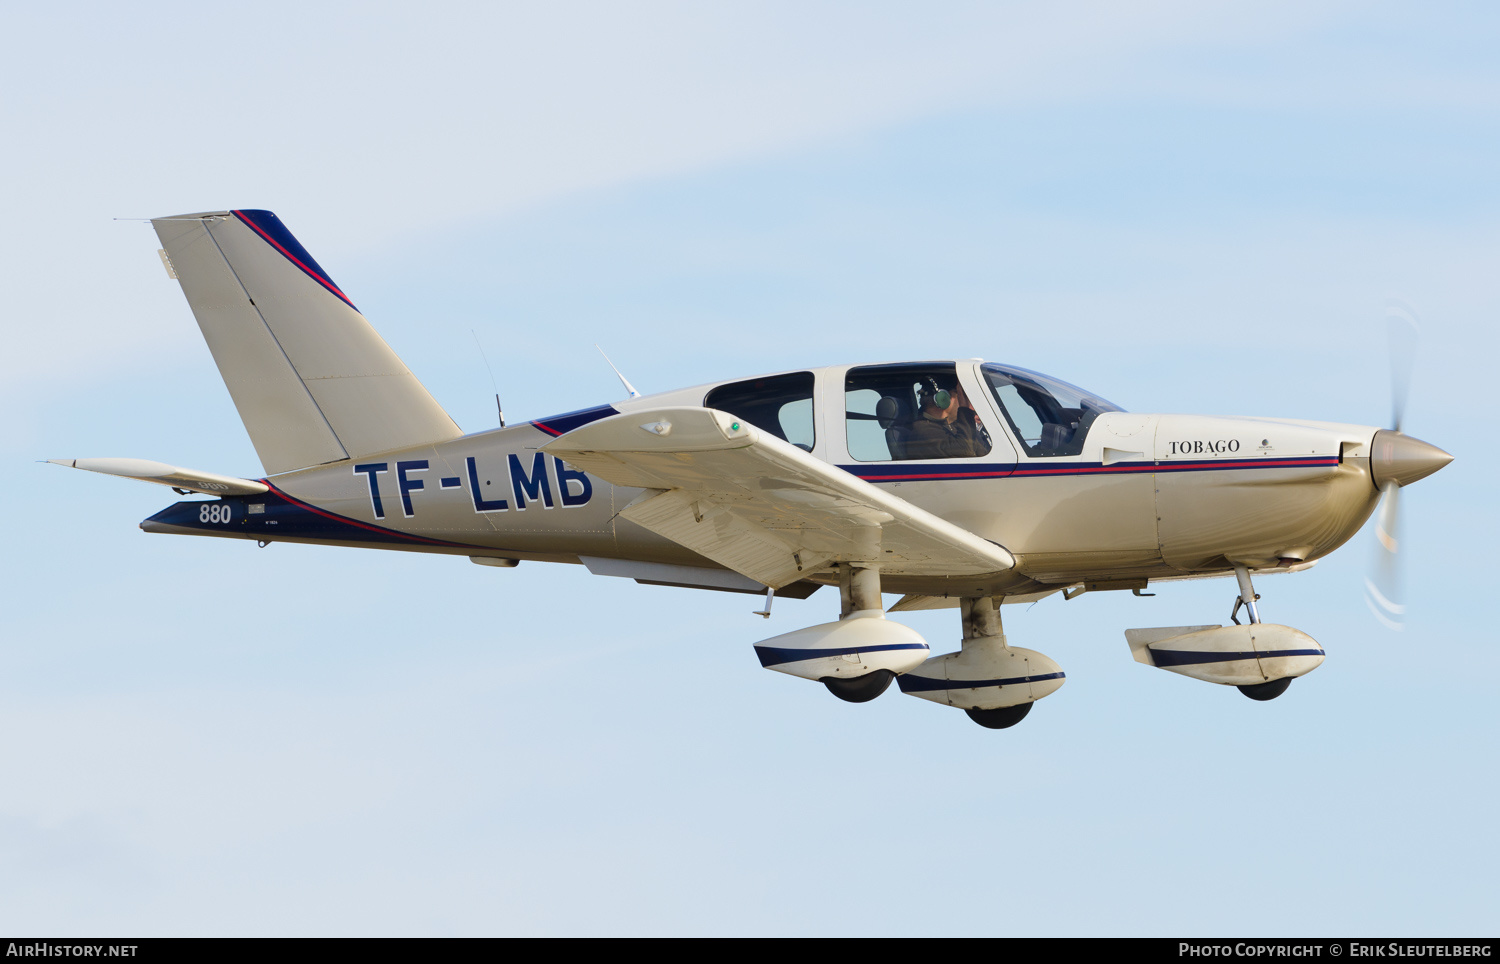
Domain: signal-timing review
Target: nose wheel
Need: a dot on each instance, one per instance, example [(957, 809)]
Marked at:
[(1268, 690)]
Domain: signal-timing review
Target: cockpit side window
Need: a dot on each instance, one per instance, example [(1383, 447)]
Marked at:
[(890, 416), (779, 404), (1050, 417)]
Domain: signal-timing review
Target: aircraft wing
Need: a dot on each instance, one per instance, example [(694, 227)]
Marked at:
[(761, 506)]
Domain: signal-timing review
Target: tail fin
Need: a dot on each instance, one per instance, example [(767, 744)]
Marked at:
[(312, 380)]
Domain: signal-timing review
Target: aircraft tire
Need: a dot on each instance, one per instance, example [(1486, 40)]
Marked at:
[(1005, 716), (1268, 690), (860, 689)]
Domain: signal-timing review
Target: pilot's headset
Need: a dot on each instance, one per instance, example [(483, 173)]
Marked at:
[(934, 396)]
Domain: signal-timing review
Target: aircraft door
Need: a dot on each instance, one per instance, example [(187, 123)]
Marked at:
[(889, 416), (928, 430), (1071, 507)]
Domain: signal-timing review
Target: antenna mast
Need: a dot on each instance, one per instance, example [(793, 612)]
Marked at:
[(623, 380)]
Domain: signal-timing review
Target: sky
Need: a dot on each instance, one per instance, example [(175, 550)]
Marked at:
[(1182, 209)]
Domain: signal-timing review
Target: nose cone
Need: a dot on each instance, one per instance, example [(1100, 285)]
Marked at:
[(1402, 459)]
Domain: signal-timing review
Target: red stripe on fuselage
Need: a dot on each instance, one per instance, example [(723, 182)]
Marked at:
[(1181, 466), (363, 525), (936, 475), (1132, 467)]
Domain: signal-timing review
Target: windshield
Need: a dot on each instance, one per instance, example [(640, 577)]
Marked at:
[(1049, 416)]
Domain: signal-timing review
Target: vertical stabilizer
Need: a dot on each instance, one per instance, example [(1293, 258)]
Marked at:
[(312, 380)]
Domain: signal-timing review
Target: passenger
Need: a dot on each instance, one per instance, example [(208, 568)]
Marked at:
[(947, 427)]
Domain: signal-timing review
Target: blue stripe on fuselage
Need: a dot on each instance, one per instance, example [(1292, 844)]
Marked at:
[(284, 516), (568, 421), (950, 472)]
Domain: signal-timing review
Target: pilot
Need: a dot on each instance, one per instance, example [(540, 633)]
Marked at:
[(947, 428)]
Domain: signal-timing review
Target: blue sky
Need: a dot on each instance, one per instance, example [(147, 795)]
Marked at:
[(1181, 210)]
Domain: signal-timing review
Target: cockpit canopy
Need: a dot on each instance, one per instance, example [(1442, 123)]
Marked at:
[(920, 411)]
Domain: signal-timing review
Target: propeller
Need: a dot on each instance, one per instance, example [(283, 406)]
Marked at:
[(1383, 583), (1405, 337), (1396, 460)]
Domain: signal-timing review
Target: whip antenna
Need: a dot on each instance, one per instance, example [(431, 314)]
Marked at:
[(626, 382), (498, 410)]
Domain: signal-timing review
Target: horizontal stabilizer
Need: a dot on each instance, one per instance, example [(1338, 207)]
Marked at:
[(208, 483)]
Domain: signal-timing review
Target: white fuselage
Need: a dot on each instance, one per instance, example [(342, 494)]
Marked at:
[(1147, 496)]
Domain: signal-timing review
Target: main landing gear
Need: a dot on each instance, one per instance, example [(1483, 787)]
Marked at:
[(993, 683), (857, 657), (859, 592)]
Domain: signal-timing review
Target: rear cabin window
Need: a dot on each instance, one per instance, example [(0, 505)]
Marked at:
[(779, 404)]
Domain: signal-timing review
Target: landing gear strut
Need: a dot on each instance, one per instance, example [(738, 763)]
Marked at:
[(859, 591), (856, 657), (1246, 598), (994, 683), (1270, 689)]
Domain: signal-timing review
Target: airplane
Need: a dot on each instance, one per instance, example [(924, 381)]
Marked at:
[(959, 483)]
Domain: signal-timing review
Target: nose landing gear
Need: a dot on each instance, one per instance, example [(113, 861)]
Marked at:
[(1266, 691), (1270, 689), (1246, 598), (1259, 659)]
